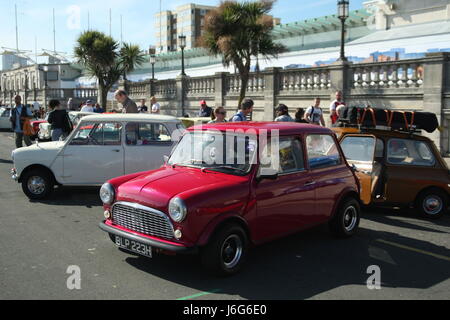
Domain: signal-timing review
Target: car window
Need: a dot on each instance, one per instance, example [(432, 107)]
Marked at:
[(5, 112), (410, 152), (290, 156), (359, 148), (98, 134), (322, 151), (138, 134)]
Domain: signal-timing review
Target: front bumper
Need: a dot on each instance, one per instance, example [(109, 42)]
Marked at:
[(14, 175), (152, 243)]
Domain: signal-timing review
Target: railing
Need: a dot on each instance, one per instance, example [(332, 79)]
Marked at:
[(140, 89), (391, 74), (256, 83), (165, 88), (204, 85), (85, 93), (304, 79)]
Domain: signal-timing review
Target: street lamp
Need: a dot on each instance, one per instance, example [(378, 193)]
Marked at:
[(26, 85), (153, 61), (343, 14), (182, 45)]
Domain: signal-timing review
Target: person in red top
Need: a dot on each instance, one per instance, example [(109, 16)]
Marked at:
[(333, 107)]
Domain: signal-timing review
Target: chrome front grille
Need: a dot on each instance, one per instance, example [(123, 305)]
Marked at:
[(142, 219)]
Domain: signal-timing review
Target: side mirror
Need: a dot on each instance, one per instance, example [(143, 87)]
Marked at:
[(166, 159)]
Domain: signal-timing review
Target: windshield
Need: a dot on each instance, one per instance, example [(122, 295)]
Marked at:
[(216, 151), (360, 149)]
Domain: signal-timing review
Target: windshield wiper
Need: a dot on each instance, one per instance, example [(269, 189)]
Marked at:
[(224, 167)]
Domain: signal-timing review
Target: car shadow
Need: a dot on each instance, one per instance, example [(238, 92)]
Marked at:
[(74, 196), (388, 217), (6, 161), (310, 263)]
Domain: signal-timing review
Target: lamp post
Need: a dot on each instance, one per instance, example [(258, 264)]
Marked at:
[(153, 61), (26, 86), (182, 45), (343, 14)]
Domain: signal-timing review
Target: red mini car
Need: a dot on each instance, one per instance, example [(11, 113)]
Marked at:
[(227, 187)]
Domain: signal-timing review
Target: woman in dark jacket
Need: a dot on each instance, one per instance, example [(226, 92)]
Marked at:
[(59, 120)]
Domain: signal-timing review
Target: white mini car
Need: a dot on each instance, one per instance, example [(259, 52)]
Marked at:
[(100, 148), (5, 114), (45, 129)]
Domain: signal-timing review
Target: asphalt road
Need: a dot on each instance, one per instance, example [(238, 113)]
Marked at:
[(40, 240)]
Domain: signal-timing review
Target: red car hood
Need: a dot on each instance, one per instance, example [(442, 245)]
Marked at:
[(156, 188)]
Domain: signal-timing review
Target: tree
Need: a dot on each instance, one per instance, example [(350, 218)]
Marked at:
[(131, 57), (103, 59), (239, 31)]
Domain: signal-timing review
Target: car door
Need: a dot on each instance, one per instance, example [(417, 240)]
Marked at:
[(145, 145), (4, 118), (411, 166), (359, 151), (328, 172), (286, 204), (94, 154)]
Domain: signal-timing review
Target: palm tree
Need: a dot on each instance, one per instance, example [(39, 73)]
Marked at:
[(239, 30), (102, 58), (131, 57)]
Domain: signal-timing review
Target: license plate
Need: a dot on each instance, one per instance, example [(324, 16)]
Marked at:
[(134, 246)]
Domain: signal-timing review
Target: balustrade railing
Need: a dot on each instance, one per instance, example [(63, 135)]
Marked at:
[(391, 74), (165, 88), (204, 85), (304, 79)]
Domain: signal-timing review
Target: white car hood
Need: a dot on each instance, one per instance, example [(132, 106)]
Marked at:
[(41, 151)]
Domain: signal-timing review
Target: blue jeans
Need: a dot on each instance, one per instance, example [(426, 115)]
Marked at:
[(56, 134)]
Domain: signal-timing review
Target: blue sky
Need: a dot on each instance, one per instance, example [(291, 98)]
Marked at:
[(35, 19)]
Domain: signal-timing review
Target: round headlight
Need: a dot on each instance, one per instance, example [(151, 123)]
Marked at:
[(177, 209), (107, 193)]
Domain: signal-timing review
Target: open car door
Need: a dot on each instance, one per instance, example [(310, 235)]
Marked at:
[(360, 152)]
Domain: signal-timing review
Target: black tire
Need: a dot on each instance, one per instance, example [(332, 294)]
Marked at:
[(432, 204), (345, 222), (226, 251), (45, 183)]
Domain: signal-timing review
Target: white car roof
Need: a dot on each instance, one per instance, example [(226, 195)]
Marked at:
[(129, 117)]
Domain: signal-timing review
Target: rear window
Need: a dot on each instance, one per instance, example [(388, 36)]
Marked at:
[(410, 153)]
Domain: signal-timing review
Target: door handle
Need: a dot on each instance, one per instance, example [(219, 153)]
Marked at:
[(116, 150), (310, 183)]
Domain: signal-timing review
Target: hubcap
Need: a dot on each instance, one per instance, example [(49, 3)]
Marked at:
[(36, 185), (231, 251), (432, 204), (350, 218)]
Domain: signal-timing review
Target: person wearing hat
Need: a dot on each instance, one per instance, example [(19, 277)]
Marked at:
[(283, 114), (245, 110), (205, 111), (88, 107)]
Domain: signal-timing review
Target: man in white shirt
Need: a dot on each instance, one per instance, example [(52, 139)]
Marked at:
[(88, 107), (156, 108), (333, 107), (314, 114)]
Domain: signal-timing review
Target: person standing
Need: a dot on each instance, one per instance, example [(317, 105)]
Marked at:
[(59, 120), (314, 114), (334, 105), (156, 108), (88, 107), (143, 108), (70, 105), (283, 114), (299, 116), (245, 109), (36, 109), (98, 108), (220, 113), (204, 111), (20, 114), (128, 105)]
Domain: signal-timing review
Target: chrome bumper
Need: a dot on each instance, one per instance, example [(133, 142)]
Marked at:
[(14, 175)]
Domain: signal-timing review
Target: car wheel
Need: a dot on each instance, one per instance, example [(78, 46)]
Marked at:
[(345, 222), (432, 204), (225, 254), (37, 184)]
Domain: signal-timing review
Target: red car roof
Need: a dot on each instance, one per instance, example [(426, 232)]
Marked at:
[(285, 128)]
